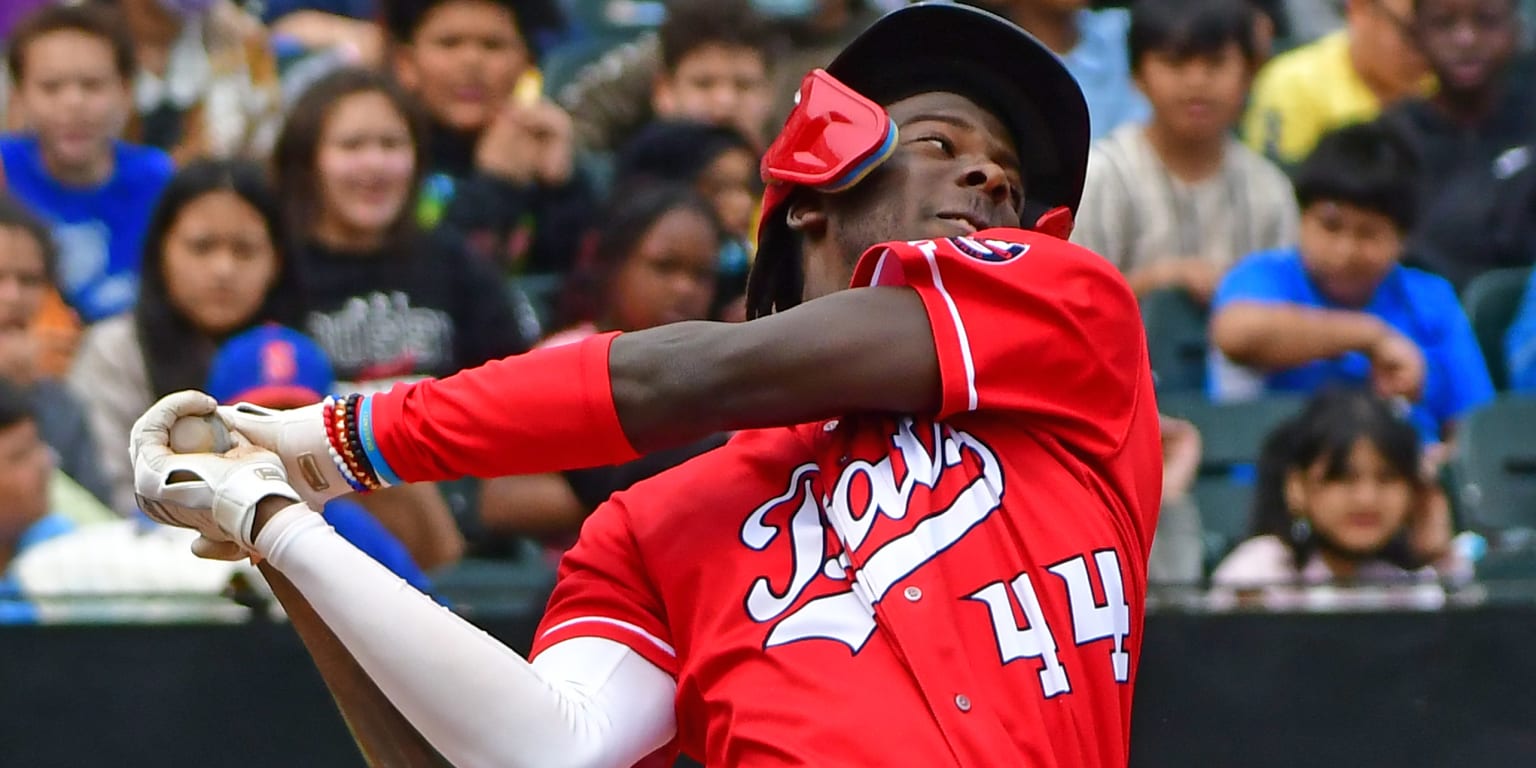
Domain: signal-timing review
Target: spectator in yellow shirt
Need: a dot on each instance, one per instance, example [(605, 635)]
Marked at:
[(1345, 77)]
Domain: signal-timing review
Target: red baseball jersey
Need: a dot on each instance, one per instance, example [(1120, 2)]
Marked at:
[(887, 590)]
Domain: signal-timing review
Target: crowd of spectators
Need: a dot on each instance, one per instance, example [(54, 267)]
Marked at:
[(277, 199)]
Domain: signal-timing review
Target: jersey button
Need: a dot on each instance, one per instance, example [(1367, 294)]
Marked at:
[(913, 593), (963, 702)]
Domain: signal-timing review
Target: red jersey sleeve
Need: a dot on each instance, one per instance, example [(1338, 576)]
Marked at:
[(604, 591), (1026, 323)]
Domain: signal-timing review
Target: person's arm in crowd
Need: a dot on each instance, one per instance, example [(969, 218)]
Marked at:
[(419, 517), (526, 175), (609, 99), (537, 505), (319, 31), (1272, 336)]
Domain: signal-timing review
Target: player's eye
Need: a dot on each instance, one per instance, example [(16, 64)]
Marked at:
[(945, 145)]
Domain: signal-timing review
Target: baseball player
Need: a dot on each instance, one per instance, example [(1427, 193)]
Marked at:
[(927, 543)]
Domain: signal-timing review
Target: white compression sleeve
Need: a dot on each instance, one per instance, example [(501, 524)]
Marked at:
[(586, 702)]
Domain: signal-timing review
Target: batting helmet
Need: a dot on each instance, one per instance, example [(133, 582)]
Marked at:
[(839, 132)]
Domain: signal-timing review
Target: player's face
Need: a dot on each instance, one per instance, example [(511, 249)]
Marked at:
[(219, 262), (366, 163), (720, 85), (1348, 251), (1467, 42), (1198, 97), (671, 275), (73, 98), (729, 183), (23, 278), (463, 61), (955, 171), (25, 465), (1360, 509)]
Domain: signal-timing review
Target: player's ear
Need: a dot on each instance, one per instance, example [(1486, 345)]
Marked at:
[(808, 213)]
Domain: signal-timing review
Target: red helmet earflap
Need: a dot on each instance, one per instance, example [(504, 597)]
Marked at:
[(1057, 222)]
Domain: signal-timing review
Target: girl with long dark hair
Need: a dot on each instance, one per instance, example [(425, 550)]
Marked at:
[(1344, 495), (212, 267)]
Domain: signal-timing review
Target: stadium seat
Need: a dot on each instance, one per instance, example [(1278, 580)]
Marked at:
[(1491, 300), (1231, 435), (1495, 465), (1176, 339)]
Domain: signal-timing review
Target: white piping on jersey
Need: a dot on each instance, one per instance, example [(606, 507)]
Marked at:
[(954, 314), (654, 640)]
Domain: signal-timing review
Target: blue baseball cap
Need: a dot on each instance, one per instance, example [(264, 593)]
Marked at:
[(272, 366)]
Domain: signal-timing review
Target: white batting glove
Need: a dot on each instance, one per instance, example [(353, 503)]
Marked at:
[(297, 436), (214, 494)]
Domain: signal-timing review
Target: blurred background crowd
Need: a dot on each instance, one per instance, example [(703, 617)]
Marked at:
[(1327, 207)]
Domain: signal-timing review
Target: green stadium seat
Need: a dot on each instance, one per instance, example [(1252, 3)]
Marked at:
[(1495, 465), (1231, 436), (1491, 300), (1177, 339)]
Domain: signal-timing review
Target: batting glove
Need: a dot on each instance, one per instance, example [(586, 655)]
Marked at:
[(214, 494), (297, 436)]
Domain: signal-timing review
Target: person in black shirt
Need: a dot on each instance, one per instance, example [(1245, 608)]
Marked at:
[(500, 164), (386, 300), (1474, 137)]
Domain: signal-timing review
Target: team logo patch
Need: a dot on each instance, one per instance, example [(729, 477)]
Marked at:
[(991, 251)]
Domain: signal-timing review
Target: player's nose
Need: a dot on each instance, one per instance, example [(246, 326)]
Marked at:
[(989, 178)]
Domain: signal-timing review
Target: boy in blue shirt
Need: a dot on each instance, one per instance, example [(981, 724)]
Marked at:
[(278, 367), (1520, 343), (1340, 309), (71, 67)]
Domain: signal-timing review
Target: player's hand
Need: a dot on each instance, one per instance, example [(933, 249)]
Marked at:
[(528, 143), (1397, 366), (298, 438), (214, 494)]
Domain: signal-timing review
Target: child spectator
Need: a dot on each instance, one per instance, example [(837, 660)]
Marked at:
[(1344, 496), (26, 278), (652, 263), (212, 269), (1340, 309), (1345, 77), (386, 301), (1520, 343), (277, 367), (71, 67), (709, 62), (500, 165), (1091, 42), (1176, 201), (207, 82), (25, 517), (721, 165), (1475, 141)]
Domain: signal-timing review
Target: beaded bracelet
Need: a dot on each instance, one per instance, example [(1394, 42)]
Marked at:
[(356, 458), (334, 414)]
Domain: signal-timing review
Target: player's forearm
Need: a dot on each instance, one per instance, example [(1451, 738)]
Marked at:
[(596, 402), (475, 700), (1279, 336)]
